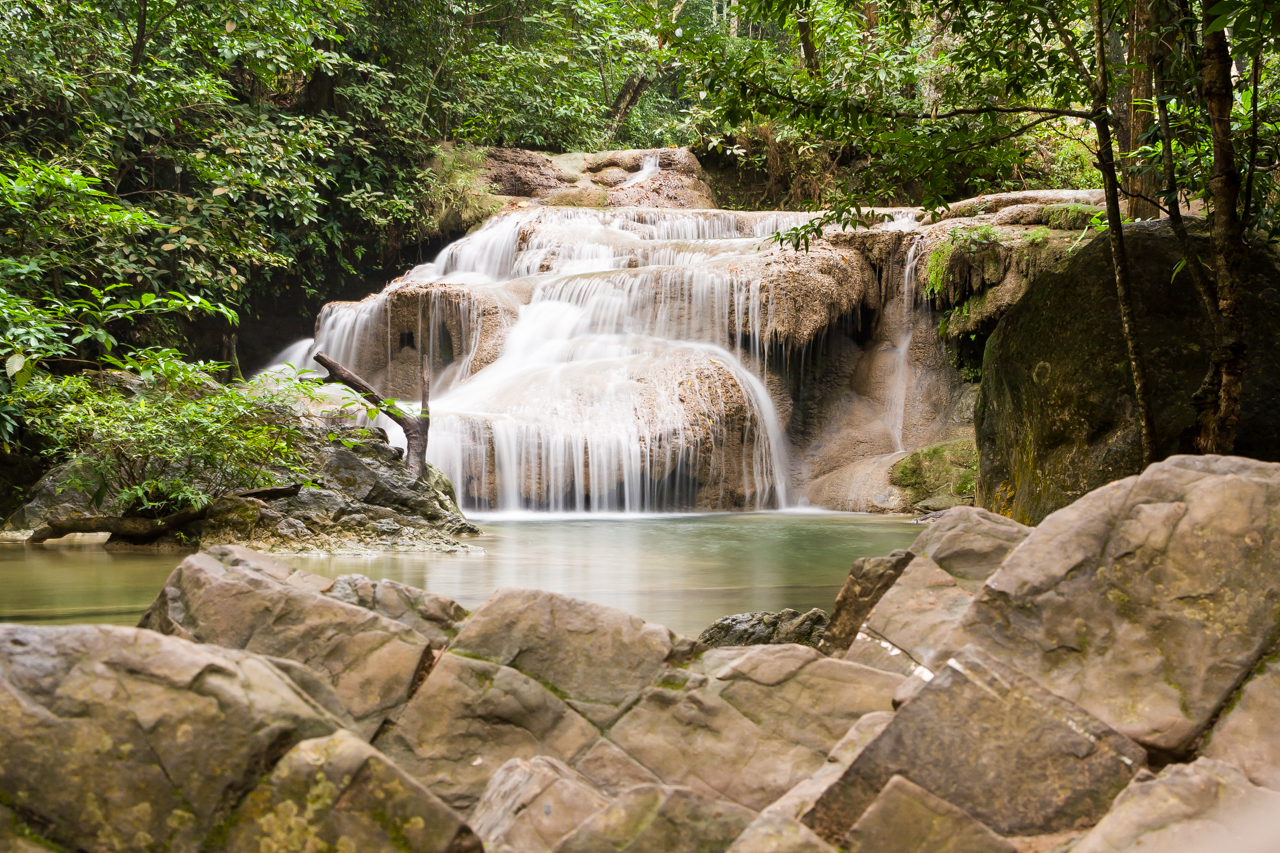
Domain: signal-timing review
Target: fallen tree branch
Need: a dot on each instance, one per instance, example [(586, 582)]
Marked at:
[(143, 530), (415, 428)]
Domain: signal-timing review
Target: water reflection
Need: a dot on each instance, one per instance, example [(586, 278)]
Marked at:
[(681, 571)]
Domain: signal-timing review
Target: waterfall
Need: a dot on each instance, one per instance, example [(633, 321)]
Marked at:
[(583, 360), (896, 397)]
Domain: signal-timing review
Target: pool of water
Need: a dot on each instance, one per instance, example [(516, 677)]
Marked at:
[(682, 571)]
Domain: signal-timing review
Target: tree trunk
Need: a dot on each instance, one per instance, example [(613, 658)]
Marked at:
[(1142, 187), (1218, 400), (415, 428), (804, 28), (1115, 232)]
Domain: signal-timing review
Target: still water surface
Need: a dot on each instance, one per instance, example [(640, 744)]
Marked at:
[(681, 571)]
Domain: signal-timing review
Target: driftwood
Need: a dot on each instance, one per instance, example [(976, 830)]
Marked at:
[(415, 429), (143, 530), (137, 530)]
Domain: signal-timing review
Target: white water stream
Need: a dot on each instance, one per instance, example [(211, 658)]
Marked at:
[(583, 360)]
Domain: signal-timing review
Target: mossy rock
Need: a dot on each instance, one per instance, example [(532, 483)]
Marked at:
[(1070, 217), (939, 476), (1055, 416), (579, 197)]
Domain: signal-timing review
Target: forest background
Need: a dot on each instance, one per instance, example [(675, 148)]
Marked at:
[(174, 171)]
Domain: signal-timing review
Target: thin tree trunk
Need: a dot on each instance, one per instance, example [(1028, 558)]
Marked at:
[(415, 429), (1143, 186), (804, 27), (1115, 231), (636, 84), (1218, 401)]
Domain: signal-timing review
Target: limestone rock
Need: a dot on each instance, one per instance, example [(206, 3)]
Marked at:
[(969, 542), (778, 827), (918, 612), (1188, 808), (1147, 601), (1017, 758), (589, 652), (749, 629), (118, 738), (879, 654), (433, 616), (1055, 413), (868, 580), (370, 661), (469, 718), (659, 819), (529, 806), (340, 792), (906, 818), (1246, 735), (759, 721), (16, 836)]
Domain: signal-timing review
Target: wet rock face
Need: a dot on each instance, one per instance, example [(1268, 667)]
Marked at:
[(1055, 415), (752, 629), (1147, 601)]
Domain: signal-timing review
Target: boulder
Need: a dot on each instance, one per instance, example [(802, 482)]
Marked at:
[(258, 604), (750, 629), (906, 818), (778, 826), (1246, 734), (868, 580), (528, 806), (752, 723), (17, 836), (916, 615), (968, 542), (1055, 416), (469, 718), (433, 616), (1147, 601), (1188, 808), (118, 738), (1013, 755), (659, 819), (591, 654), (338, 793)]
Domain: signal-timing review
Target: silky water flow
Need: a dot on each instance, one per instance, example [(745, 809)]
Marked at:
[(582, 360)]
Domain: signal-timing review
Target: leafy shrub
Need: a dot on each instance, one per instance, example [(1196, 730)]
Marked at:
[(158, 435)]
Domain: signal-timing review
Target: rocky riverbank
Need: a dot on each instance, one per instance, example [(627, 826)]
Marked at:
[(1105, 681), (358, 499)]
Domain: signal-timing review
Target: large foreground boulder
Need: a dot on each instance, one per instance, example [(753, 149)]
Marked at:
[(1055, 416), (370, 661), (1189, 808), (1148, 601), (338, 793), (991, 742), (622, 702), (123, 739)]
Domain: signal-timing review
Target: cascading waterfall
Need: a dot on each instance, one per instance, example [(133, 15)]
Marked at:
[(896, 396), (583, 360)]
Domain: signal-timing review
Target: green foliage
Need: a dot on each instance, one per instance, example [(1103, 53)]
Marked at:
[(968, 239), (158, 435)]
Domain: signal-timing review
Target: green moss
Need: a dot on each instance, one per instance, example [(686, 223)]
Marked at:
[(947, 469), (1074, 217)]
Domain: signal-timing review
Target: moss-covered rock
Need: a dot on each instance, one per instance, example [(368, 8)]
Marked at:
[(1071, 217), (1055, 416), (939, 476)]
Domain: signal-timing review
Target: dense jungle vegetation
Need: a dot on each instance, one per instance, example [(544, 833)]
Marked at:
[(171, 168)]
